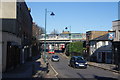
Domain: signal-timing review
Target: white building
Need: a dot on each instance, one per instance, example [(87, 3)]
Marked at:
[(101, 49)]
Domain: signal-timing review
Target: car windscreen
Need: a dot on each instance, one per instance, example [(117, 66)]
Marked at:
[(79, 59), (51, 50), (55, 57)]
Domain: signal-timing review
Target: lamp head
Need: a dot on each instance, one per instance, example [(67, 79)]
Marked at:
[(66, 28), (52, 14)]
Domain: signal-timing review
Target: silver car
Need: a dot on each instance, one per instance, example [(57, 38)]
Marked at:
[(55, 58)]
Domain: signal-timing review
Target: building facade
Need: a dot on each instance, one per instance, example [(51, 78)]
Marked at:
[(16, 33), (101, 49), (91, 35), (24, 23), (116, 42)]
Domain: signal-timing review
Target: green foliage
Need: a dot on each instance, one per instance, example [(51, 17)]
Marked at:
[(76, 47), (84, 48)]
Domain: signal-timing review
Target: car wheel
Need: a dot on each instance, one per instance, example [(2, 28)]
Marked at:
[(69, 65), (74, 66), (85, 67)]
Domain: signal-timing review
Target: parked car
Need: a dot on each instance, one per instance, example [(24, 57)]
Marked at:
[(78, 62), (55, 58)]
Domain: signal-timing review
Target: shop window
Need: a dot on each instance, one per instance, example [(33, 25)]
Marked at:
[(109, 55), (119, 34), (103, 43), (99, 55)]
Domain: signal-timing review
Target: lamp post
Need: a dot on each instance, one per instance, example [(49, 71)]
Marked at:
[(52, 14), (69, 37)]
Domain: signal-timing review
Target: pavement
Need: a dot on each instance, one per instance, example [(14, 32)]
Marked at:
[(34, 69), (40, 68), (31, 69), (109, 67), (52, 73)]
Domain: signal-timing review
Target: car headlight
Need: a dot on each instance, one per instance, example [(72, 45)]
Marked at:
[(86, 63), (76, 63)]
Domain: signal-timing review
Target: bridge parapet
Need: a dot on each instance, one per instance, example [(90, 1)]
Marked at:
[(63, 37)]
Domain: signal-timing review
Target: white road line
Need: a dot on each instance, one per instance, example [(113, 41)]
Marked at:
[(56, 73)]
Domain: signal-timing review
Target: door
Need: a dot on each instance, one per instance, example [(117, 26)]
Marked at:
[(103, 57), (9, 61)]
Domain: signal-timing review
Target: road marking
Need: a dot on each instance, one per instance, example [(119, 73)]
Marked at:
[(56, 73)]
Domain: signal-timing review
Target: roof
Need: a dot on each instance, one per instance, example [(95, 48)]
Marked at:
[(103, 37), (116, 20), (104, 48), (77, 56), (96, 31)]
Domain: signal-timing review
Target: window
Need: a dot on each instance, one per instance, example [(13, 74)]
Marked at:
[(109, 55), (99, 55), (103, 43), (73, 36), (65, 36), (119, 35), (77, 36)]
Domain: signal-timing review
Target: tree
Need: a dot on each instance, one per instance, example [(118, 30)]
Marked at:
[(74, 48), (42, 30), (36, 32), (54, 32)]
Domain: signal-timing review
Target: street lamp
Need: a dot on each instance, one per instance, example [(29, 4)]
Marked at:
[(52, 14), (69, 36)]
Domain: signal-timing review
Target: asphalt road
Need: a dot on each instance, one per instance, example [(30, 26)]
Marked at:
[(65, 71)]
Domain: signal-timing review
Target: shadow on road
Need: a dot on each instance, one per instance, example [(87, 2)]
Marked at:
[(104, 78), (83, 78), (97, 77)]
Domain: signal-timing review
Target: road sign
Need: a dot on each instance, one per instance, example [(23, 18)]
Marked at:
[(111, 36)]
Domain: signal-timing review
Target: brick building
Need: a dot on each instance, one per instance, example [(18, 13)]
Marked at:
[(16, 33)]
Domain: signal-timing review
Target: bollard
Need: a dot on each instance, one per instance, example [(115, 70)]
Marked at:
[(47, 67)]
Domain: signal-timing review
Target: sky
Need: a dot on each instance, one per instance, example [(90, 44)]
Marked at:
[(80, 16)]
